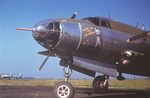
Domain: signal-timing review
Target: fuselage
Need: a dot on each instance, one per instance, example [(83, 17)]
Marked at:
[(70, 37)]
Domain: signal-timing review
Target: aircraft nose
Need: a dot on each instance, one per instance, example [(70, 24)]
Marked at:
[(48, 35), (38, 36)]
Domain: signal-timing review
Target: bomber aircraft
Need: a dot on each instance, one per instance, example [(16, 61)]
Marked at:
[(6, 76), (90, 45), (11, 76)]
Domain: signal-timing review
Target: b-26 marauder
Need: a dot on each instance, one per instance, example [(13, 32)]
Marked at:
[(93, 44)]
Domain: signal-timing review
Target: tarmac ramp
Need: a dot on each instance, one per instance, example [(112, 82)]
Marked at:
[(13, 91)]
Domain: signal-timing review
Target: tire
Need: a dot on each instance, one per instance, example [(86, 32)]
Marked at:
[(98, 85), (63, 90)]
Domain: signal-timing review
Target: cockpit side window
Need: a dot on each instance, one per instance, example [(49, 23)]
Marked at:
[(105, 23), (93, 20)]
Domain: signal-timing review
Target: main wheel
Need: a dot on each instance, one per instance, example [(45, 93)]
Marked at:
[(98, 84), (63, 90)]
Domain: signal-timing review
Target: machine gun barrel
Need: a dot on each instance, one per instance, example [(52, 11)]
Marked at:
[(25, 29)]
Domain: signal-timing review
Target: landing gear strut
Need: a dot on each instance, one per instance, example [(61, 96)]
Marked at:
[(120, 77), (100, 84), (67, 73), (64, 89)]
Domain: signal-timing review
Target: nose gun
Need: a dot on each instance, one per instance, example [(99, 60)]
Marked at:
[(25, 29)]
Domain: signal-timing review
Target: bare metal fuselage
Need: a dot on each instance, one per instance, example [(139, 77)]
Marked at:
[(70, 38), (93, 45), (81, 39)]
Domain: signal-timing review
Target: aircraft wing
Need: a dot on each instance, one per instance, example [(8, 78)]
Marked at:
[(143, 36)]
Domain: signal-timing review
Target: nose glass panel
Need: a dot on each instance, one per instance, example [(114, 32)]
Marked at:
[(48, 35)]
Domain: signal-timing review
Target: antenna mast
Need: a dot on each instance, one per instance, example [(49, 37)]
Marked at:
[(109, 14)]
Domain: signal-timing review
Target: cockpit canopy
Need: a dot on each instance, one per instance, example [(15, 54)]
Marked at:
[(98, 21), (113, 24)]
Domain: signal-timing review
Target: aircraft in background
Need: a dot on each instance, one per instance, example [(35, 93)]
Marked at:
[(17, 76), (90, 45), (8, 76), (11, 76)]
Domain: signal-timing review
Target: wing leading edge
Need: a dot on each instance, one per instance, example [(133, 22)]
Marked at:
[(143, 36)]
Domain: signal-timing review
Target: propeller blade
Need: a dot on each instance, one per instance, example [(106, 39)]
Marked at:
[(74, 15), (45, 61)]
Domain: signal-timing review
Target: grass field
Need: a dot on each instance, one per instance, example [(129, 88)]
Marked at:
[(131, 84)]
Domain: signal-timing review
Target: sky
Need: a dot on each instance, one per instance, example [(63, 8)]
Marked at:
[(18, 49)]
